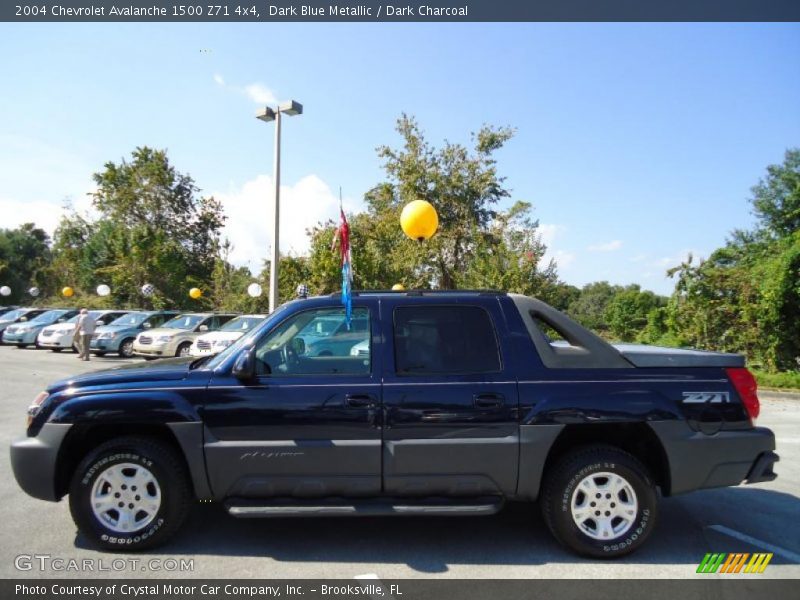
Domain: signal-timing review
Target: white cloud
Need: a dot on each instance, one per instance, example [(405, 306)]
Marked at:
[(249, 225), (606, 247), (548, 232), (260, 94)]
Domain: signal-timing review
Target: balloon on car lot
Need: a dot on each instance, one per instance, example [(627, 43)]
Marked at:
[(195, 293), (103, 290), (5, 291), (67, 292), (148, 289), (419, 220), (34, 291), (398, 287), (254, 290)]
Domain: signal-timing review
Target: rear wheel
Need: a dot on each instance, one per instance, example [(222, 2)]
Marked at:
[(600, 501), (184, 349), (130, 493), (126, 348)]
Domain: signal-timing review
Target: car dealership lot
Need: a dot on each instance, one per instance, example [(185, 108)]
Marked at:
[(759, 518)]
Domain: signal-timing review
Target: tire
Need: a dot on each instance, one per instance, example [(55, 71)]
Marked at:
[(184, 349), (56, 349), (569, 486), (162, 475), (126, 348), (22, 346), (99, 353)]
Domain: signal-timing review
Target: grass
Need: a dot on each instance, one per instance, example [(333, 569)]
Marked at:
[(788, 381)]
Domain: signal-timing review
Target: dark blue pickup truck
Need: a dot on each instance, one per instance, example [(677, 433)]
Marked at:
[(446, 403)]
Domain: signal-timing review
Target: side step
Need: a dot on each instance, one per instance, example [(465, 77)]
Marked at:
[(246, 508)]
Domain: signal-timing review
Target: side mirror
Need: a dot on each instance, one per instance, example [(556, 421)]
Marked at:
[(23, 319), (245, 366), (147, 325), (299, 345), (202, 328)]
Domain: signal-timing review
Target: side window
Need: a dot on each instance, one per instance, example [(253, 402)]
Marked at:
[(317, 342), (221, 320), (444, 340), (156, 321)]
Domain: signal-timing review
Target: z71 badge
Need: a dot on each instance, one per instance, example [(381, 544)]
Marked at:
[(706, 397)]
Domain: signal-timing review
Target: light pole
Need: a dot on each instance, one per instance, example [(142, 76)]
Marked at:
[(267, 114)]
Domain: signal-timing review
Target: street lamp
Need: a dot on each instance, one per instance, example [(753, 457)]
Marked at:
[(268, 114)]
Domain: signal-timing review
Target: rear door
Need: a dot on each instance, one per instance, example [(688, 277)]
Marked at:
[(450, 400)]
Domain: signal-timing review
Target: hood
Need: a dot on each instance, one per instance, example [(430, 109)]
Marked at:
[(213, 336), (659, 356), (61, 326), (165, 331), (167, 369)]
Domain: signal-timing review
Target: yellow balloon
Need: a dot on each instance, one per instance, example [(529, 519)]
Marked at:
[(419, 220), (67, 292), (195, 293), (398, 287)]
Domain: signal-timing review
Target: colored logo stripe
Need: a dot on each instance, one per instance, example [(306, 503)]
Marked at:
[(734, 562)]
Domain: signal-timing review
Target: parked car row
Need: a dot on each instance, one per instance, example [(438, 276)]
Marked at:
[(127, 333)]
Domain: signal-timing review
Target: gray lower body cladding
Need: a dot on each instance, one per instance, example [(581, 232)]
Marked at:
[(700, 461), (34, 459)]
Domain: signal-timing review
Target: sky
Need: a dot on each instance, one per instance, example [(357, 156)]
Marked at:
[(636, 143)]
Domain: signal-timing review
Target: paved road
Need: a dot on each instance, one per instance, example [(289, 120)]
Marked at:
[(513, 544)]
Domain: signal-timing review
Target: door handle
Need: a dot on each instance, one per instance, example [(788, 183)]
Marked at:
[(359, 400), (488, 400)]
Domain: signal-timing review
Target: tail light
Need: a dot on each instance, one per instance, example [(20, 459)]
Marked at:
[(747, 388)]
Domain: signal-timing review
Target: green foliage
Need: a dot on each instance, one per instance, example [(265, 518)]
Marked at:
[(627, 313), (152, 228), (789, 381), (24, 257)]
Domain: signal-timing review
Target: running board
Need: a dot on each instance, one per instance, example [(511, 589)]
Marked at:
[(363, 507)]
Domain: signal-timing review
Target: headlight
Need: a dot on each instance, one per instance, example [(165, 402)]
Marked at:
[(22, 330), (163, 338), (106, 335), (223, 343), (36, 406)]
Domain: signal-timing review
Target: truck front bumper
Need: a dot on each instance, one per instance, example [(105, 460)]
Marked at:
[(727, 458), (33, 460)]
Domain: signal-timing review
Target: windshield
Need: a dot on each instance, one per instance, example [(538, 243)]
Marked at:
[(12, 315), (248, 338), (241, 324), (130, 320), (183, 322), (48, 317)]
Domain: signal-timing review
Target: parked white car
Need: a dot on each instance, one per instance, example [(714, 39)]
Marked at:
[(216, 341), (62, 335)]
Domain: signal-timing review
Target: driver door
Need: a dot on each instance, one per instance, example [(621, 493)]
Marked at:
[(307, 425)]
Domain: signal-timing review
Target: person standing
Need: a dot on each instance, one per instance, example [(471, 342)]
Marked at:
[(84, 329)]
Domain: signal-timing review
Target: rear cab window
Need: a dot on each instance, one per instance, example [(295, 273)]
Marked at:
[(444, 340)]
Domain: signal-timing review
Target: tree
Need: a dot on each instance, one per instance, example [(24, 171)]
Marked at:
[(589, 309), (153, 227), (746, 296), (627, 312), (24, 257)]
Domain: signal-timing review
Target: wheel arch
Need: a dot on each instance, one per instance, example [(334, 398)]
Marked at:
[(185, 438), (636, 438)]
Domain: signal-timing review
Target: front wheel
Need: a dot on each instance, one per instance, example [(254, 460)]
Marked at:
[(130, 493), (184, 349), (126, 348), (600, 501)]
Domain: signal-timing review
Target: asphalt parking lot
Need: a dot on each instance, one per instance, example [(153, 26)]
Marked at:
[(512, 544)]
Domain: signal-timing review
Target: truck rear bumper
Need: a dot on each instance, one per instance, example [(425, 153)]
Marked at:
[(727, 458), (33, 460)]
